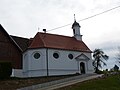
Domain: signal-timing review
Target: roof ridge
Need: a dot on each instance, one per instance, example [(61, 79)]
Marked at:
[(56, 35), (19, 37), (36, 40), (42, 39)]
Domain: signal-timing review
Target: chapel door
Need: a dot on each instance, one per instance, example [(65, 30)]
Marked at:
[(82, 68)]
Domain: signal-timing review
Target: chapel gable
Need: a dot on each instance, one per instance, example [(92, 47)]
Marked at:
[(82, 57)]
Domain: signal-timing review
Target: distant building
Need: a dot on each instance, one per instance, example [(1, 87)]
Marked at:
[(46, 54), (115, 68)]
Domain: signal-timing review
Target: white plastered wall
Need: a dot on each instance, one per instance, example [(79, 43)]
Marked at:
[(62, 66)]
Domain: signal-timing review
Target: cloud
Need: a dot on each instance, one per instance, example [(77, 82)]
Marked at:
[(23, 16)]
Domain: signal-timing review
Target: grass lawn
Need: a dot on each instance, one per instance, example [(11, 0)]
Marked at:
[(107, 83)]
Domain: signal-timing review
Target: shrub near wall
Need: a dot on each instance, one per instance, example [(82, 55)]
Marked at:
[(5, 70)]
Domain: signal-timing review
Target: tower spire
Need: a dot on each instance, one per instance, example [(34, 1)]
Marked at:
[(76, 30), (74, 18)]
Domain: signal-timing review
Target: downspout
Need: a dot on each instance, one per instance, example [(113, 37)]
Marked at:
[(47, 61), (78, 67)]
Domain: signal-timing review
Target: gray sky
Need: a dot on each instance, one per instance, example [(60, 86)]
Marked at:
[(23, 17)]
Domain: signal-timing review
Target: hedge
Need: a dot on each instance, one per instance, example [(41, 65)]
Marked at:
[(5, 70)]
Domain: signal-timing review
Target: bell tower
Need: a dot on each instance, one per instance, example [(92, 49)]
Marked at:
[(76, 30)]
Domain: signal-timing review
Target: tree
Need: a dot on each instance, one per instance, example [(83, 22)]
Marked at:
[(99, 57), (118, 55)]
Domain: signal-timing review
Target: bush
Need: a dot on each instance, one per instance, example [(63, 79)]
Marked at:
[(99, 72), (5, 70)]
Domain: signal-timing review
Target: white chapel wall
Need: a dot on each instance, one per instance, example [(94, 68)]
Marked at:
[(63, 65), (35, 67)]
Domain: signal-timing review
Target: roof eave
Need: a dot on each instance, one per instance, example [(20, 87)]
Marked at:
[(89, 51)]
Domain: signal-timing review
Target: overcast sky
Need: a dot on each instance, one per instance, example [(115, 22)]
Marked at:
[(24, 17)]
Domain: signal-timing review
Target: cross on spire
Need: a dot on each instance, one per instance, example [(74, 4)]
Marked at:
[(74, 18)]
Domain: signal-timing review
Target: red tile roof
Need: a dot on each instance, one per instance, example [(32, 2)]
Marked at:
[(45, 40)]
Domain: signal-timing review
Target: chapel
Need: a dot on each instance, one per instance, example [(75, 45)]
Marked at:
[(46, 54)]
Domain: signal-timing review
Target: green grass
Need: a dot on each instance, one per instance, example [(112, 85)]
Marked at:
[(108, 83)]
